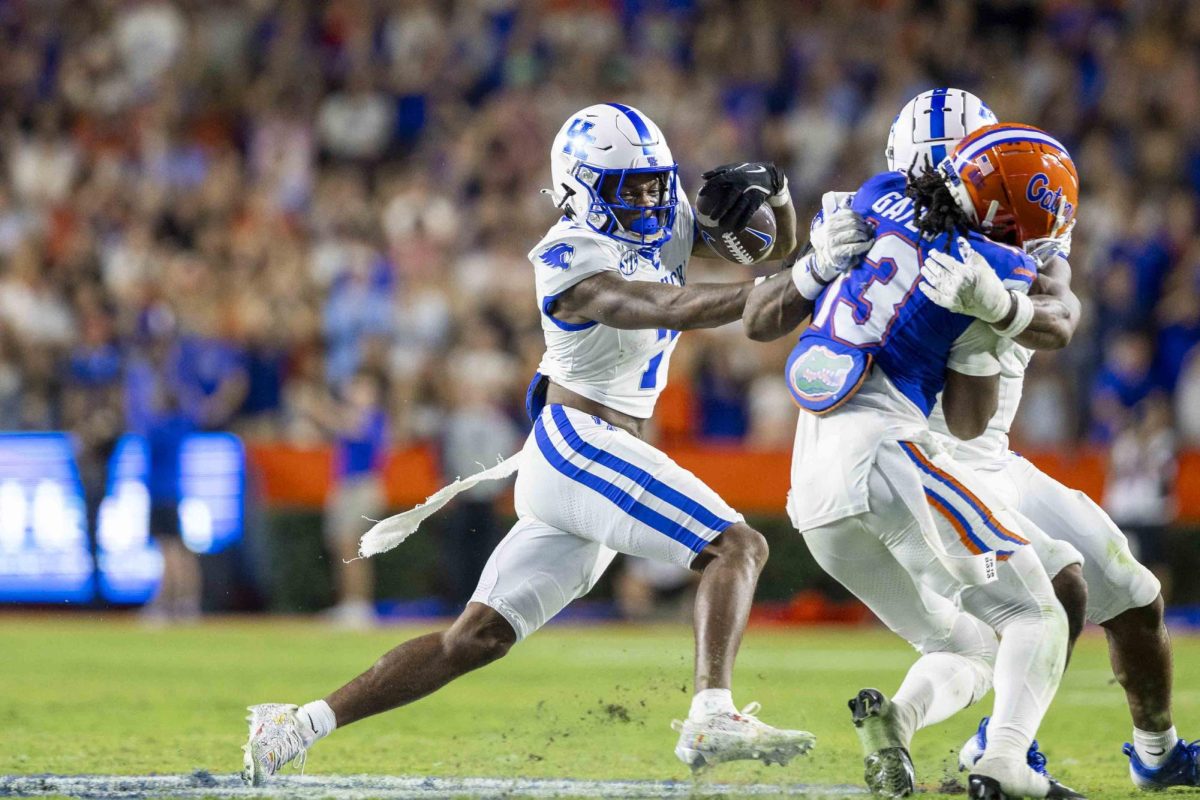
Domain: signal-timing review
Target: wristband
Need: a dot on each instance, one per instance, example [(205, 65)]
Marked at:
[(782, 197), (1021, 319), (807, 283)]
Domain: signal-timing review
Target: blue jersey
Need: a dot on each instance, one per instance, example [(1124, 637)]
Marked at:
[(875, 314)]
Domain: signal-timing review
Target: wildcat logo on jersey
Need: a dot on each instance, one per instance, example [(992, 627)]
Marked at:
[(559, 256), (1038, 191), (820, 373)]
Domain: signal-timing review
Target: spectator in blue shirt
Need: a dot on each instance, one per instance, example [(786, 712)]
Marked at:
[(155, 410), (358, 425)]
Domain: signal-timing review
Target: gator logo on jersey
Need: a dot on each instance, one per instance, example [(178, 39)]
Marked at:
[(559, 256), (629, 263), (820, 373)]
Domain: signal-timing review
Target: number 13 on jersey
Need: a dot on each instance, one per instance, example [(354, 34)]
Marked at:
[(861, 306)]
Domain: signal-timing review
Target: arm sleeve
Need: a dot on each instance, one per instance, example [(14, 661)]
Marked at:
[(975, 352)]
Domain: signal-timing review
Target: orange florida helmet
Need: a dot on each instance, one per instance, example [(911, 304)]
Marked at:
[(1017, 182)]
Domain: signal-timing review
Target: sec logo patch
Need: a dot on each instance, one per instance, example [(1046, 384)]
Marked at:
[(629, 263)]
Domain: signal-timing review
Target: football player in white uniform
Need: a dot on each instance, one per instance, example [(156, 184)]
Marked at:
[(1122, 595), (611, 287)]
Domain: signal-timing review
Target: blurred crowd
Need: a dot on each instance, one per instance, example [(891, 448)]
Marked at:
[(230, 209)]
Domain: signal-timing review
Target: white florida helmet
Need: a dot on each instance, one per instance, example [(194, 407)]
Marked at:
[(592, 156), (930, 125)]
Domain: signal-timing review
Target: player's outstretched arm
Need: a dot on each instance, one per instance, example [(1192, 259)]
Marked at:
[(775, 307), (1055, 308), (839, 238), (634, 305)]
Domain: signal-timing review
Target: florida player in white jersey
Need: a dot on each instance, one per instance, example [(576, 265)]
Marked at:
[(611, 288), (1122, 595), (891, 515)]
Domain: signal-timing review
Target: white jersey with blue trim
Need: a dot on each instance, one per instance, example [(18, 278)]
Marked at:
[(625, 370)]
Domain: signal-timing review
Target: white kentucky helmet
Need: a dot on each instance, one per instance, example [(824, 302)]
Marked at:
[(930, 125), (594, 153)]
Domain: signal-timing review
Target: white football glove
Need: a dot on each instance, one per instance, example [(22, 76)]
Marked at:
[(840, 237), (965, 287)]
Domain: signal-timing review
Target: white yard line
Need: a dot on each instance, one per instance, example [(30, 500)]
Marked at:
[(365, 787)]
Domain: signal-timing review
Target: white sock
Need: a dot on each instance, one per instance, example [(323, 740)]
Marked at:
[(936, 687), (711, 701), (1153, 748), (316, 721)]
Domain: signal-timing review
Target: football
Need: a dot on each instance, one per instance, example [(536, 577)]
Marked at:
[(747, 246)]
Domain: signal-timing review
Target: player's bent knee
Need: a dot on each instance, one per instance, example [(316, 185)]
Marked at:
[(1147, 619), (479, 636), (1071, 591), (739, 543)]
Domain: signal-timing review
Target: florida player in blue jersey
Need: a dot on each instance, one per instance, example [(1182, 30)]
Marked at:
[(890, 514)]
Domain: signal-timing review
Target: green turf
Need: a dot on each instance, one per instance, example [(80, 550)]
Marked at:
[(101, 695)]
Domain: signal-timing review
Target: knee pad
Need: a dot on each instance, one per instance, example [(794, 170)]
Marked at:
[(974, 644), (973, 639), (1124, 583)]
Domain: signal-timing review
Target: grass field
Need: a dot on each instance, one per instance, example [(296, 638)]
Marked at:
[(103, 696)]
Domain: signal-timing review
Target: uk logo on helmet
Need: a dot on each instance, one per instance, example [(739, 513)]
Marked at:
[(579, 136)]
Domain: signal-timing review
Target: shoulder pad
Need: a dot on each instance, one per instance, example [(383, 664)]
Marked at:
[(1010, 263), (568, 245)]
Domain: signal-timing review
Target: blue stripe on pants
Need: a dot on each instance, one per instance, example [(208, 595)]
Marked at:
[(984, 514), (636, 474), (966, 526), (623, 500)]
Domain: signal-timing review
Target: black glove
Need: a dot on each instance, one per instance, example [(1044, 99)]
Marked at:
[(733, 192)]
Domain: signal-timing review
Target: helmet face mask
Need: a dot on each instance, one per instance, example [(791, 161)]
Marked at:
[(615, 209), (612, 171)]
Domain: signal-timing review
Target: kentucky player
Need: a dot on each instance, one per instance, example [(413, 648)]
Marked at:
[(888, 512), (1122, 595), (610, 278)]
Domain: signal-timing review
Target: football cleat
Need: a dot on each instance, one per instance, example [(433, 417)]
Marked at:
[(275, 739), (972, 751), (735, 737), (1181, 767), (887, 766), (996, 779)]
